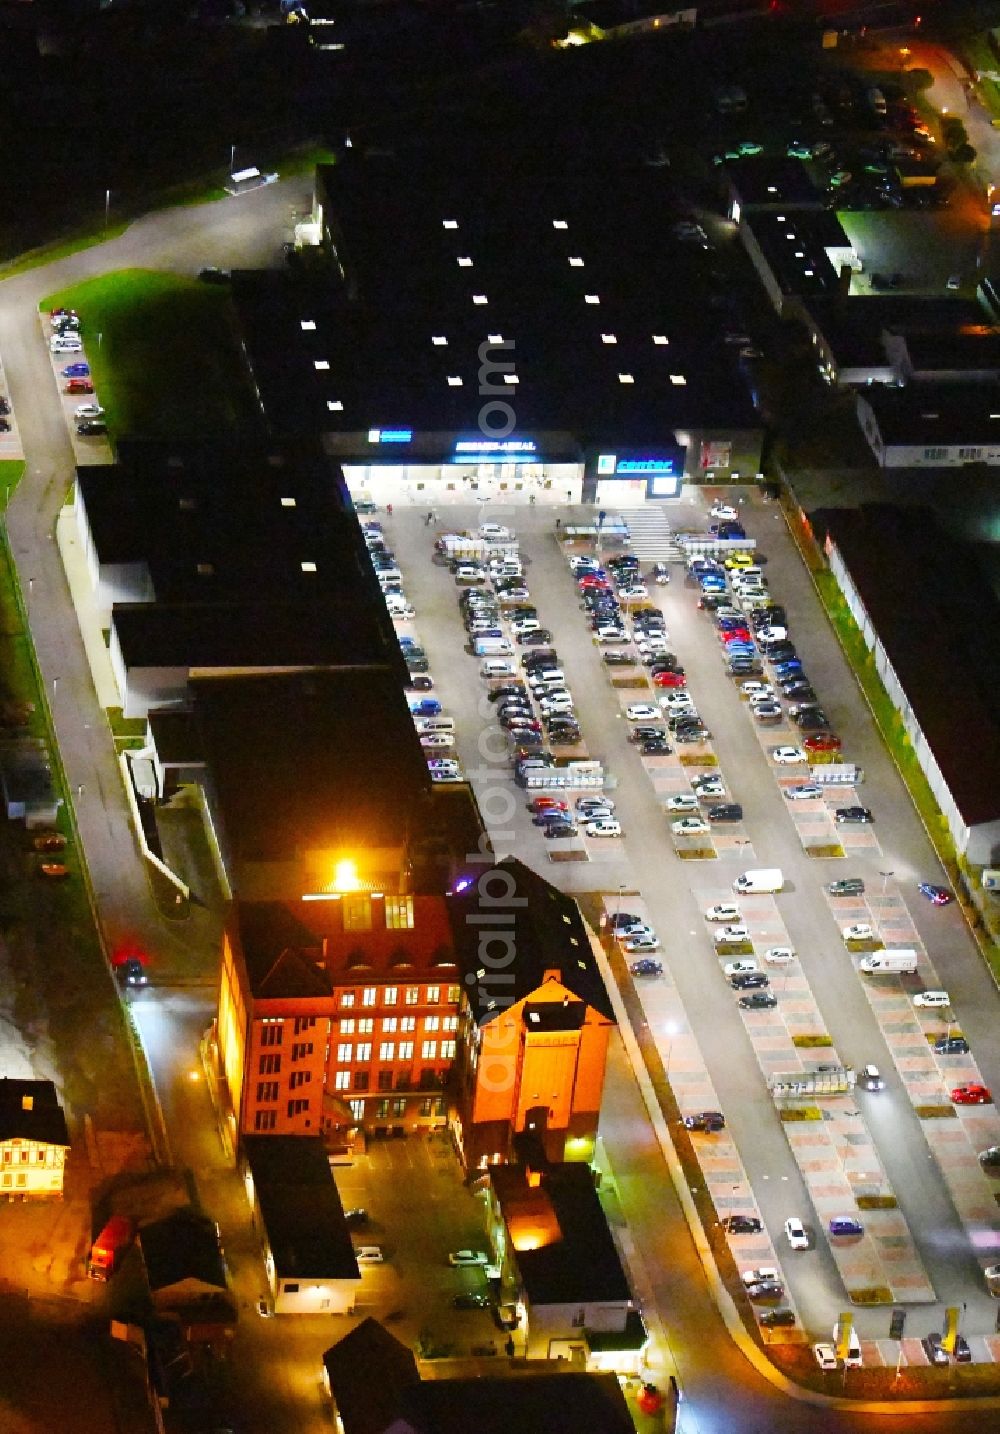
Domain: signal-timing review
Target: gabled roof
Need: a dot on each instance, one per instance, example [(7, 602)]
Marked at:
[(543, 930), (369, 1372), (182, 1246), (30, 1110)]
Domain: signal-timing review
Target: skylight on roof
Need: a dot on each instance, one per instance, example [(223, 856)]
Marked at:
[(495, 338), (335, 405), (799, 254), (626, 378), (206, 570), (511, 378), (454, 381), (321, 363), (808, 273), (591, 298), (464, 262), (575, 262), (609, 338), (660, 339), (307, 324), (772, 189), (678, 378), (288, 502), (450, 223), (307, 566), (439, 341), (559, 224), (480, 299)]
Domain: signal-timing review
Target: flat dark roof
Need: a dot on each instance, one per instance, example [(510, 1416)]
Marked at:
[(934, 414), (938, 645), (307, 760), (795, 245), (772, 179), (301, 1207), (978, 349), (256, 635), (30, 1110), (853, 324), (576, 1260), (418, 241), (568, 1403)]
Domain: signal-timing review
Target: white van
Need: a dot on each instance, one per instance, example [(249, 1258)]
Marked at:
[(763, 879), (491, 647), (497, 667), (65, 344), (853, 1358), (889, 963), (434, 724)]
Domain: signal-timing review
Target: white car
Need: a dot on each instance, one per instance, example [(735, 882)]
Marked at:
[(639, 932), (442, 764), (436, 741), (635, 944), (495, 532), (724, 512), (740, 968), (595, 808), (89, 410), (786, 756), (795, 1233), (826, 1356), (469, 1257), (932, 998), (677, 698), (369, 1254), (606, 827), (860, 931), (735, 931), (725, 912), (525, 624), (709, 786), (643, 712), (686, 802), (803, 792), (764, 1275), (757, 690), (689, 826), (633, 592), (779, 955)]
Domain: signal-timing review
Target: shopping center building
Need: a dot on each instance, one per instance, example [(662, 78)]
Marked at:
[(477, 338)]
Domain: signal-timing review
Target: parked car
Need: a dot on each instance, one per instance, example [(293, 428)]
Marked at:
[(777, 1319), (825, 1356), (989, 1158), (707, 1120), (847, 886), (842, 1226), (971, 1093), (369, 1254), (932, 1000), (856, 815), (803, 792), (788, 756), (932, 1347), (758, 1001), (742, 1225), (688, 826), (725, 911), (468, 1257), (779, 955), (749, 981), (646, 967)]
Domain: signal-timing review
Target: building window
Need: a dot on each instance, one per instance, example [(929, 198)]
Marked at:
[(448, 1050), (426, 1106), (389, 1024), (406, 1050), (347, 998), (347, 1027), (369, 996), (365, 1026), (289, 1287), (269, 1065), (271, 1033), (399, 913), (389, 995), (357, 911), (357, 1109), (385, 1080), (304, 1023), (387, 1051), (296, 1107), (360, 1080), (303, 1049), (428, 1051), (970, 455), (364, 1051), (454, 992), (342, 1080), (432, 1023), (451, 1023), (935, 455), (382, 1109), (344, 1052), (264, 1120), (399, 1106), (407, 1023), (433, 995), (299, 1078), (267, 1090), (412, 995)]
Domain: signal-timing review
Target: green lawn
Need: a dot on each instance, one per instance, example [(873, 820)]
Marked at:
[(163, 353), (11, 473)]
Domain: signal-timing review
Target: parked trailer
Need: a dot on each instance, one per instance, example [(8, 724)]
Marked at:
[(109, 1247)]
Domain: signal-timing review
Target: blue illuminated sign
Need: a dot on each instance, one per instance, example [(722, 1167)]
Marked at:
[(390, 435), (645, 465), (494, 445)]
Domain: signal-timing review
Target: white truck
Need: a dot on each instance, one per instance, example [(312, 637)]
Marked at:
[(762, 879), (902, 962)]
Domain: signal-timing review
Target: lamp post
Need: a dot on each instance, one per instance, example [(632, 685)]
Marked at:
[(885, 875), (232, 158), (107, 210), (670, 1030)]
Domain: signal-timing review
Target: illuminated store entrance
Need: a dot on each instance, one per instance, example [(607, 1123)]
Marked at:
[(463, 483)]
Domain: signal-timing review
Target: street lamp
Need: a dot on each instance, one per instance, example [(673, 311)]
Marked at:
[(885, 875), (232, 158), (670, 1030)]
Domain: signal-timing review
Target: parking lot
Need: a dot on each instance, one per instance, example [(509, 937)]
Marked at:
[(718, 1053)]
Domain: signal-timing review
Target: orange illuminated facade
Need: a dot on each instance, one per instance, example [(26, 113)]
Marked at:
[(338, 1012)]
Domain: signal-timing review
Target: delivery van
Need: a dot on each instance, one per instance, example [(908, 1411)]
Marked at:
[(491, 647), (889, 963), (760, 880)]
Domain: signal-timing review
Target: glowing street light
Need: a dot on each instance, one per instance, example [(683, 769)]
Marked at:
[(345, 875)]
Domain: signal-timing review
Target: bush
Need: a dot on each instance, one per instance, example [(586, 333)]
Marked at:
[(964, 154)]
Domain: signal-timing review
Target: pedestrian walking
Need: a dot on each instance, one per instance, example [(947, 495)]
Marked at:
[(388, 510), (531, 500), (558, 524), (427, 520)]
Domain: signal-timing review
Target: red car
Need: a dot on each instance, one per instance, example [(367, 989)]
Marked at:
[(971, 1095), (736, 634), (669, 679), (823, 742), (589, 581), (79, 385), (548, 804)]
